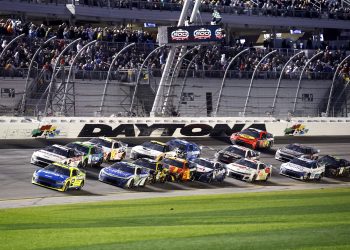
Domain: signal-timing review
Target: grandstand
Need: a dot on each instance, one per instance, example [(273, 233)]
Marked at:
[(284, 58)]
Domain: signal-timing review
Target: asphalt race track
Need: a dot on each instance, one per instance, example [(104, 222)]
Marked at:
[(18, 191)]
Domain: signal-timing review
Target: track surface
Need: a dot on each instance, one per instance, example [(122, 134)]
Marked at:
[(17, 190)]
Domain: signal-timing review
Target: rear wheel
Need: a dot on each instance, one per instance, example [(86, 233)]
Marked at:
[(131, 184), (81, 185), (85, 163), (108, 158), (254, 178)]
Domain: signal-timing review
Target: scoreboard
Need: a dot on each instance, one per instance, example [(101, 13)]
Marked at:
[(190, 35)]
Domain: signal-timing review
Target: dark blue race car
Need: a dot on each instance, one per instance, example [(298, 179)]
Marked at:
[(124, 174), (184, 149), (207, 170)]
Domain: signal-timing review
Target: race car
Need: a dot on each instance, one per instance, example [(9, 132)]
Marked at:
[(249, 170), (233, 153), (179, 169), (152, 149), (207, 170), (92, 155), (296, 150), (113, 150), (57, 153), (253, 137), (60, 177), (335, 167), (124, 174), (156, 171), (303, 169), (184, 149)]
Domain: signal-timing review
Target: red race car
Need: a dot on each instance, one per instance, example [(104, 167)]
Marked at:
[(253, 137)]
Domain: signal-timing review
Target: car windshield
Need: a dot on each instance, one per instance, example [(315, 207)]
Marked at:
[(177, 144), (101, 142), (328, 160), (235, 150), (58, 170), (204, 163), (298, 148), (58, 151), (145, 163), (303, 163), (154, 146), (79, 147), (247, 163), (123, 167), (173, 162), (251, 132)]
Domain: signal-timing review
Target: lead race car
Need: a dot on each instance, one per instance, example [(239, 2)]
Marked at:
[(254, 138), (249, 170), (57, 153), (296, 150), (184, 149), (60, 177), (125, 175)]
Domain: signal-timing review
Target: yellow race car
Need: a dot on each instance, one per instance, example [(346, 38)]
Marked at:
[(113, 150), (60, 177)]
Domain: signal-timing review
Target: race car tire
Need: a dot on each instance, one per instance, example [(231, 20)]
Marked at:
[(254, 178), (319, 178), (81, 185), (210, 180), (108, 158), (131, 184), (85, 164), (307, 177), (267, 178), (66, 186)]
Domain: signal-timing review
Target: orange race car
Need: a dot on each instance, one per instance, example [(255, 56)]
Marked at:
[(179, 169), (253, 137)]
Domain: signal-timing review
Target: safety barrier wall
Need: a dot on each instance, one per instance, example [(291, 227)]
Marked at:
[(63, 127)]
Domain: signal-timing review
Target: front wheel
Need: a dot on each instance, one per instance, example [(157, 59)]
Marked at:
[(254, 178), (81, 186), (85, 164), (66, 186), (131, 184)]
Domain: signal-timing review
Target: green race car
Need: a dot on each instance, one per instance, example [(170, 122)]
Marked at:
[(92, 155)]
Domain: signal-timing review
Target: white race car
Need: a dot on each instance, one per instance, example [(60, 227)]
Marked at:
[(249, 170), (57, 153), (152, 149), (303, 169), (113, 150)]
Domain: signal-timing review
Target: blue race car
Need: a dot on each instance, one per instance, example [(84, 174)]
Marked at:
[(60, 177), (207, 170), (184, 149), (125, 175)]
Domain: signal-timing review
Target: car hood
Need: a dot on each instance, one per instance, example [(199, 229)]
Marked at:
[(51, 175), (294, 167), (203, 169), (50, 156), (116, 172), (245, 136), (146, 151), (230, 154), (290, 152), (240, 168)]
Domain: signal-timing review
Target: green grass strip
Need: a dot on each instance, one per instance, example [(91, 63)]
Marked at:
[(308, 219)]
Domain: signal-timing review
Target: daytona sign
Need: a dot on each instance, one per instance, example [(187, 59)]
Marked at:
[(180, 129)]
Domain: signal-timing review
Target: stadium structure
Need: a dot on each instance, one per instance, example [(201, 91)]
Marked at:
[(115, 58)]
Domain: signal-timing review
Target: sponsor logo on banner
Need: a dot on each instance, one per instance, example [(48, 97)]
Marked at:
[(180, 35), (218, 33), (166, 129), (296, 129), (46, 131), (202, 34)]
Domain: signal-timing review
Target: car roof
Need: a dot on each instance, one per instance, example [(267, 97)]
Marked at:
[(61, 147), (181, 141), (176, 159), (306, 159), (147, 159), (256, 129), (302, 146), (124, 163), (250, 160), (158, 142)]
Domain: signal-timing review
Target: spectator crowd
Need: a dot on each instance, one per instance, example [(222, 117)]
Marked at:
[(207, 61)]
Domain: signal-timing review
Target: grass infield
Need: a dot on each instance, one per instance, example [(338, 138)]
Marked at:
[(308, 219)]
